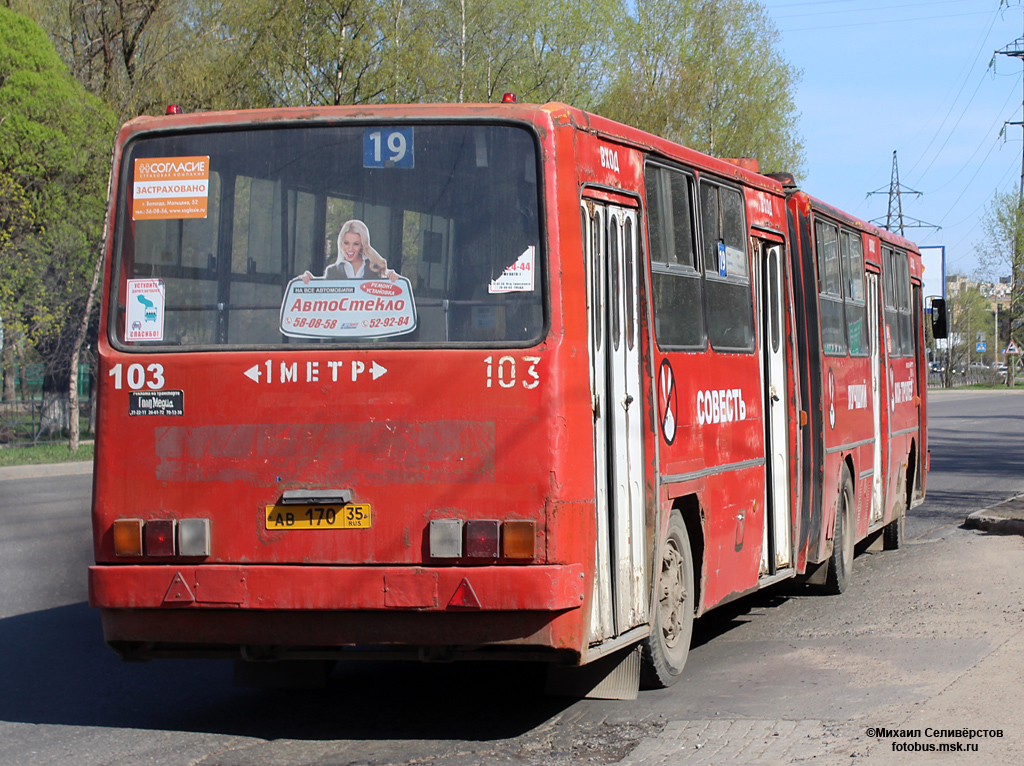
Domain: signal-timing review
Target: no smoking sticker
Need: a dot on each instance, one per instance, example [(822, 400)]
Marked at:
[(668, 400)]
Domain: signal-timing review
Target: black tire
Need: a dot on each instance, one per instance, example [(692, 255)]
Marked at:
[(840, 563), (894, 534), (665, 650)]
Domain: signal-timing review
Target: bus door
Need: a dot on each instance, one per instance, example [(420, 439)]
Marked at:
[(612, 261), (878, 473), (777, 547), (921, 385)]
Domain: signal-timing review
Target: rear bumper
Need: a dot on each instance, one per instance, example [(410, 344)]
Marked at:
[(317, 588)]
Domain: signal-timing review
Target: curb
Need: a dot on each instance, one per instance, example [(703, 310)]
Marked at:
[(70, 468), (1005, 518)]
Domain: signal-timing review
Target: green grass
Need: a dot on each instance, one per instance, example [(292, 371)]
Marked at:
[(44, 453), (992, 386)]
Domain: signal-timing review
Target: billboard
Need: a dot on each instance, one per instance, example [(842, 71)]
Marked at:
[(933, 281)]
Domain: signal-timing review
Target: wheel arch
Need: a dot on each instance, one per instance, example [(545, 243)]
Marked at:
[(848, 463), (689, 508), (912, 473)]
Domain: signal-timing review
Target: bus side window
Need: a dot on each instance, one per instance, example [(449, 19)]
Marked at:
[(853, 292), (830, 289), (726, 271), (903, 297), (890, 278), (675, 278)]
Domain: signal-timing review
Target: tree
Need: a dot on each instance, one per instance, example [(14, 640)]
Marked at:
[(969, 318), (54, 145), (539, 51), (295, 52), (15, 222), (1001, 250), (708, 74), (311, 52), (108, 45)]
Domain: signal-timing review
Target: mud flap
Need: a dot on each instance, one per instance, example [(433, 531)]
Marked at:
[(615, 677), (816, 573)]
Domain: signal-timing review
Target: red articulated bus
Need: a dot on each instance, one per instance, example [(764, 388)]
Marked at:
[(460, 381)]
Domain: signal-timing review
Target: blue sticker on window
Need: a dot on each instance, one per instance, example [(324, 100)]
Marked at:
[(723, 268), (388, 148)]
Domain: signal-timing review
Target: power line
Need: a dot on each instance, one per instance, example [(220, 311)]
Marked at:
[(969, 161), (1015, 50), (857, 6), (952, 105), (879, 22)]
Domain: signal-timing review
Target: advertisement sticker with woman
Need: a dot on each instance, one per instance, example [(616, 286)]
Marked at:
[(358, 296)]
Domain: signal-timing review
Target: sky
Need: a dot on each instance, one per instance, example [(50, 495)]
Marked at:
[(920, 78)]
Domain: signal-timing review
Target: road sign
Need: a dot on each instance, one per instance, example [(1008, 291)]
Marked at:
[(1011, 348), (980, 347)]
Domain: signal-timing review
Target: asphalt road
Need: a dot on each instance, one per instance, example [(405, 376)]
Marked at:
[(913, 622)]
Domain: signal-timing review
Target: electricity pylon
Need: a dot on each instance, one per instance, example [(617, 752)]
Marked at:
[(895, 215)]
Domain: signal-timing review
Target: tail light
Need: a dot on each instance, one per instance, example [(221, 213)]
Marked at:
[(128, 537), (159, 536), (518, 540), (446, 538), (162, 538), (482, 539), (194, 537)]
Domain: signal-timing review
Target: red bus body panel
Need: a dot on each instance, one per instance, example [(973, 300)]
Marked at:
[(503, 433)]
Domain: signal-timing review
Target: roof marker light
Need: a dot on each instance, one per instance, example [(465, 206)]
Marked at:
[(174, 109), (509, 98)]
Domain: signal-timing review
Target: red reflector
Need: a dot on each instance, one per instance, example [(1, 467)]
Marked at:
[(173, 109), (509, 98), (482, 539), (464, 597), (178, 591), (160, 537)]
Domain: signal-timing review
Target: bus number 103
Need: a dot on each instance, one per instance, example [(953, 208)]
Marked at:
[(505, 371), (139, 376)]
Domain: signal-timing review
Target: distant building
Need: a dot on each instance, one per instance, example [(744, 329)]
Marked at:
[(998, 292)]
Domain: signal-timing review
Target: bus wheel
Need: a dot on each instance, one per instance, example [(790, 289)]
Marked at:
[(840, 563), (894, 534), (665, 650)]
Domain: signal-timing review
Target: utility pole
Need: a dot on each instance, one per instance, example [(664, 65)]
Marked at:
[(995, 346), (1015, 50)]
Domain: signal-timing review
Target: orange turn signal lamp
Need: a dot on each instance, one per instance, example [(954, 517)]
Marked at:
[(128, 537)]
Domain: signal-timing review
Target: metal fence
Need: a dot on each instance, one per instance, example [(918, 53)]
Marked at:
[(957, 378), (29, 422)]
